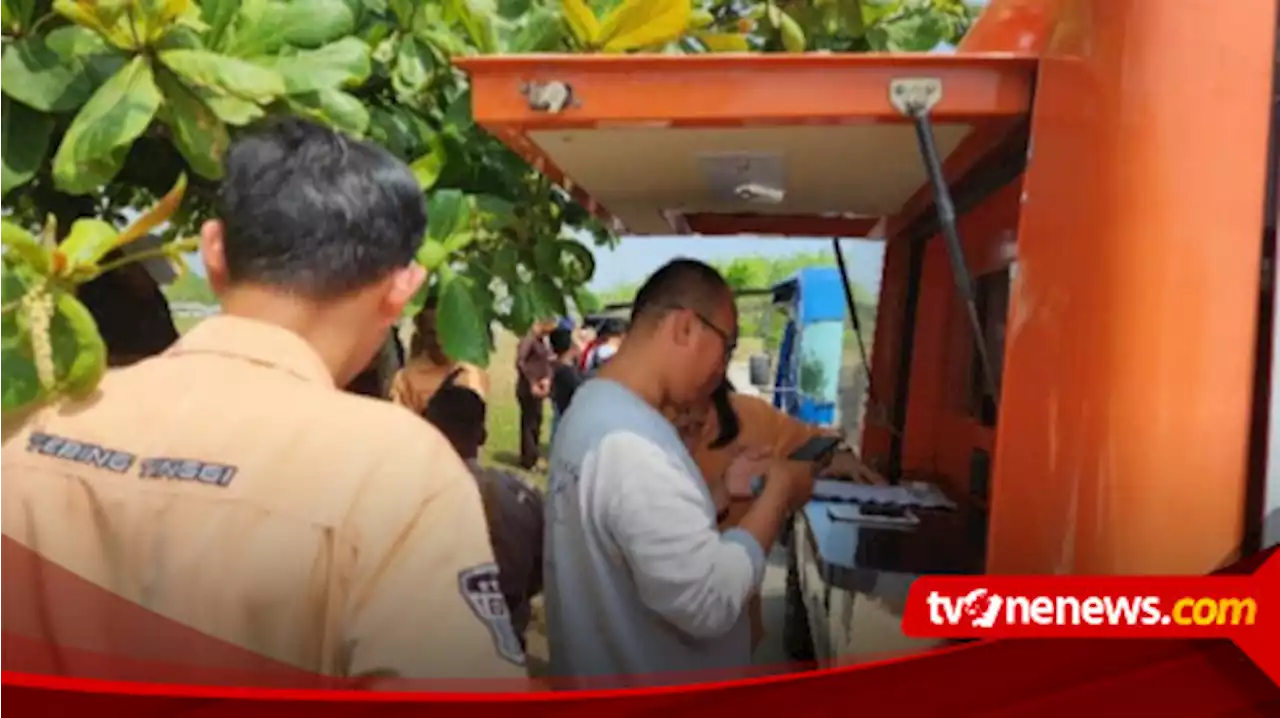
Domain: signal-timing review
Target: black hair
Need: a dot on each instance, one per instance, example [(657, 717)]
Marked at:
[(680, 283), (726, 417), (612, 327), (315, 212), (459, 414), (561, 340), (133, 324)]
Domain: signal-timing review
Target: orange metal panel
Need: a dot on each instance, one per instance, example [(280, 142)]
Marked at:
[(736, 90), (766, 224), (988, 91), (1122, 445), (940, 433), (1013, 26)]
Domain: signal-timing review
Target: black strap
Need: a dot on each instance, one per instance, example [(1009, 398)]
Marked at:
[(451, 377)]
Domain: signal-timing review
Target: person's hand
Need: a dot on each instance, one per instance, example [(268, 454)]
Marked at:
[(541, 388), (791, 481), (846, 465), (746, 465)]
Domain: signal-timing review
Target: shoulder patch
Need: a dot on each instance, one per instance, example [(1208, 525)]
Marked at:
[(480, 588)]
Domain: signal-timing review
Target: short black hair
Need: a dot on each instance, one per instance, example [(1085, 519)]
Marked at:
[(612, 327), (459, 414), (561, 340), (680, 283), (315, 212)]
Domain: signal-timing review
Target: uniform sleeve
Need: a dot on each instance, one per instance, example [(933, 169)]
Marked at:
[(684, 568), (426, 601)]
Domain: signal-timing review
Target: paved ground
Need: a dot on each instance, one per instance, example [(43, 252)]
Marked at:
[(740, 377)]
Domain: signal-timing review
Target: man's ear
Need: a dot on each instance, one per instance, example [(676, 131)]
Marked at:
[(680, 325), (401, 288), (213, 254)]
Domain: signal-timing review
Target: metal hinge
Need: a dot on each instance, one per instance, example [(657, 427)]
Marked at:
[(553, 97), (915, 95)]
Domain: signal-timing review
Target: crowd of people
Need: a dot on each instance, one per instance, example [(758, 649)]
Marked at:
[(316, 513)]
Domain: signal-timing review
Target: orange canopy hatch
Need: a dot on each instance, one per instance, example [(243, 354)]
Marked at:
[(808, 145)]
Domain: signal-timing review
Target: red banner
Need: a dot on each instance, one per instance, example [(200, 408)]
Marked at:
[(171, 669)]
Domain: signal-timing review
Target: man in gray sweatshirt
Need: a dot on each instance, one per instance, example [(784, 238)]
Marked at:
[(641, 586)]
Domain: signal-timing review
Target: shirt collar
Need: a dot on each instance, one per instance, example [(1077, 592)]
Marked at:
[(257, 342)]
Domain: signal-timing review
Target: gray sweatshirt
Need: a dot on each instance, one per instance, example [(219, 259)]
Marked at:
[(641, 587)]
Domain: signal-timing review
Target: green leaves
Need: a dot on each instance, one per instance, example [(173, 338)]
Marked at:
[(448, 213), (342, 63), (51, 344), (333, 107), (97, 141), (223, 75), (464, 335), (196, 129), (175, 79), (26, 142), (312, 23), (33, 74), (427, 168), (631, 25)]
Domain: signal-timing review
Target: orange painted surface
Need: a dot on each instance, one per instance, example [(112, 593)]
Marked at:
[(738, 90), (1126, 393), (1122, 445), (744, 90), (941, 433), (780, 225), (1022, 26)]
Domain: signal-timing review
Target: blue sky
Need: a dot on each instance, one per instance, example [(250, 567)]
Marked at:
[(637, 257)]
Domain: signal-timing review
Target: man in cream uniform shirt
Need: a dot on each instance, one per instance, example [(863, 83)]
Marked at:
[(227, 484)]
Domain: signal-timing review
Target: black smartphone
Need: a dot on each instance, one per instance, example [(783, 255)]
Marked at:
[(816, 449)]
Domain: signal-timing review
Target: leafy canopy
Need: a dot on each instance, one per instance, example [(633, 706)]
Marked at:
[(120, 105)]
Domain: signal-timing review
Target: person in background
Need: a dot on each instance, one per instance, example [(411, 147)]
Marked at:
[(513, 509), (565, 376), (610, 337), (534, 364), (639, 581), (229, 485), (375, 380), (131, 312), (429, 367)]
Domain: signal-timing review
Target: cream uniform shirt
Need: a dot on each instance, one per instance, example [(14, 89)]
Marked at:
[(227, 485)]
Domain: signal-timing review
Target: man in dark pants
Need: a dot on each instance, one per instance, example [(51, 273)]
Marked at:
[(534, 362)]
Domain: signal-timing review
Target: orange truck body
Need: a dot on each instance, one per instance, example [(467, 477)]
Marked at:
[(1120, 157)]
